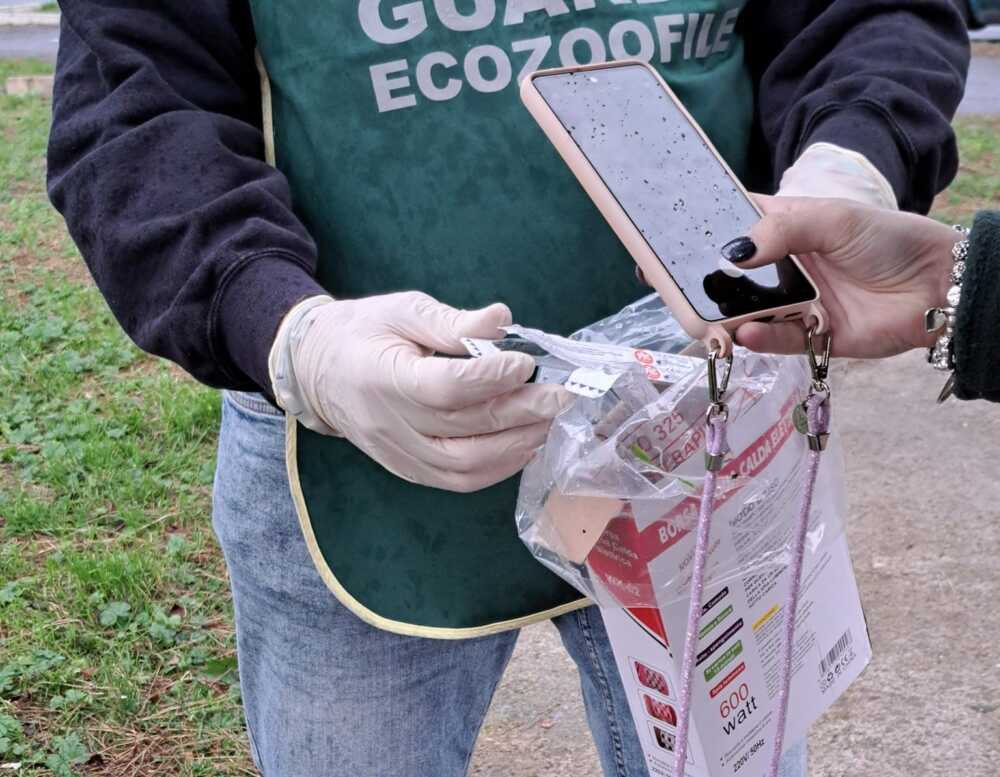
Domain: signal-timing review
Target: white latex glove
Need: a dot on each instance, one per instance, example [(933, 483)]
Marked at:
[(826, 170), (364, 369)]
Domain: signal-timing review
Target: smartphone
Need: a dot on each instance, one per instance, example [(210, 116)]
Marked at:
[(669, 196)]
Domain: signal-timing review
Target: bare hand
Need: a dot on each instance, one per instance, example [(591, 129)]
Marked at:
[(877, 272)]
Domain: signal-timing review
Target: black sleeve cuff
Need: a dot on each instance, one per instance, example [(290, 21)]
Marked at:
[(977, 346), (253, 298), (867, 128)]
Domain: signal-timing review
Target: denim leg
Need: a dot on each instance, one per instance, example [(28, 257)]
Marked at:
[(586, 641), (608, 713), (325, 694)]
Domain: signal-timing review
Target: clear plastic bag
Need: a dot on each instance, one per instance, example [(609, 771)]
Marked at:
[(611, 501)]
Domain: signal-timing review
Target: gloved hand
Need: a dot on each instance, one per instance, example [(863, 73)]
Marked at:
[(364, 369), (826, 170)]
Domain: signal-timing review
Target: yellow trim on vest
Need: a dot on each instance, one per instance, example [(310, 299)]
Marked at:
[(291, 464), (267, 115), (373, 618)]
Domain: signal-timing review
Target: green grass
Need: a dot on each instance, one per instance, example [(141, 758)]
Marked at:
[(977, 186), (23, 67), (116, 642)]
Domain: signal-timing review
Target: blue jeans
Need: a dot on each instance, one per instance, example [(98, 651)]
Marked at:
[(327, 695)]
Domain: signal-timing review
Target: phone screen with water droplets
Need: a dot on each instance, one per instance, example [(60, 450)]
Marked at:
[(672, 185)]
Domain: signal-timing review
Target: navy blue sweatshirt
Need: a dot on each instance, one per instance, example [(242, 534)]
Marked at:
[(156, 152)]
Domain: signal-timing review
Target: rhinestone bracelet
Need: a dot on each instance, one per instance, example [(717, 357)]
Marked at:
[(941, 355)]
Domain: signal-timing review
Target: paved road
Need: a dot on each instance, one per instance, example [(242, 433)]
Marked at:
[(982, 92), (28, 42), (982, 97), (925, 539), (987, 33)]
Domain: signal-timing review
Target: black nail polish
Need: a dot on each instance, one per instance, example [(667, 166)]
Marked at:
[(739, 250)]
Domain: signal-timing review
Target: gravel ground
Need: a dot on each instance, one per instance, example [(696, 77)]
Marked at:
[(925, 538)]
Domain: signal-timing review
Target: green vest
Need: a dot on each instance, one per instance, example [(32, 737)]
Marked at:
[(414, 166)]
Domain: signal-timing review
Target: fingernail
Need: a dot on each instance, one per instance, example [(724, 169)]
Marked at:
[(503, 314), (564, 399), (525, 364), (739, 250)]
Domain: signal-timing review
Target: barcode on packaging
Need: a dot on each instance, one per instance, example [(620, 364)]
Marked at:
[(836, 652)]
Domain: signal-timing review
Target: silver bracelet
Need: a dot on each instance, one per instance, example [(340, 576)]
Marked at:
[(941, 355)]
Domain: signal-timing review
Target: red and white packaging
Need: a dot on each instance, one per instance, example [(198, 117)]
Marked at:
[(735, 684), (611, 507)]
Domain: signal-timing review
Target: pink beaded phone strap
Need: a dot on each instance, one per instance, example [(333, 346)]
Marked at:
[(813, 420)]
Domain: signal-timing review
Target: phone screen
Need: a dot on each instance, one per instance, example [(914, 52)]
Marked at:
[(672, 185)]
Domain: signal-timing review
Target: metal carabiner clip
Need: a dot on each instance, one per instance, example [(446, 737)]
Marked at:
[(717, 387), (718, 410), (820, 366)]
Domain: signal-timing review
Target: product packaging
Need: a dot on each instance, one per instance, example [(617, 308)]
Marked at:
[(610, 504)]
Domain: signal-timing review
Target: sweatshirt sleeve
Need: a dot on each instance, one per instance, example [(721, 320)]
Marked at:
[(880, 77), (155, 161), (977, 358)]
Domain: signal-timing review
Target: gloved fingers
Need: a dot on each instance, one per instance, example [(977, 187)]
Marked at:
[(798, 226), (827, 170), (522, 407), (460, 464), (466, 464), (422, 319), (783, 338), (450, 384)]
